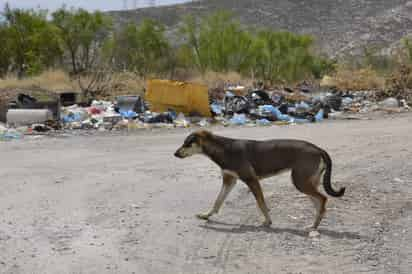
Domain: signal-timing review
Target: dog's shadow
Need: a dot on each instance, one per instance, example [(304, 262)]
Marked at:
[(240, 229)]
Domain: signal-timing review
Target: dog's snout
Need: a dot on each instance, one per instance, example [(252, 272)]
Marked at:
[(177, 154)]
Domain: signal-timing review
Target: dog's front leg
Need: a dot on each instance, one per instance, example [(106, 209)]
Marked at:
[(229, 182), (254, 186)]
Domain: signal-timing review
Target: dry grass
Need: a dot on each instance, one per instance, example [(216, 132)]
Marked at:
[(56, 81), (211, 79), (360, 79), (127, 84), (121, 83), (53, 80)]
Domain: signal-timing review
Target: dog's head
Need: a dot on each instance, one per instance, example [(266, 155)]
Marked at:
[(192, 144)]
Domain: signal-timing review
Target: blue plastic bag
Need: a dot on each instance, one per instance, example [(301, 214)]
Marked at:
[(238, 119), (216, 108), (319, 116), (276, 113), (10, 135), (302, 105), (129, 114), (72, 117)]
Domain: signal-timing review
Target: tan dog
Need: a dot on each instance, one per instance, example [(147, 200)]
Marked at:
[(250, 161)]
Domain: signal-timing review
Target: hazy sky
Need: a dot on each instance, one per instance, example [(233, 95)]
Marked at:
[(86, 4)]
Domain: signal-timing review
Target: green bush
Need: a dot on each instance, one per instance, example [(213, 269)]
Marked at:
[(219, 43), (82, 41), (142, 49)]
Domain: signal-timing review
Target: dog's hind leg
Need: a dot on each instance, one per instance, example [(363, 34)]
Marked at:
[(308, 184), (229, 182), (318, 199)]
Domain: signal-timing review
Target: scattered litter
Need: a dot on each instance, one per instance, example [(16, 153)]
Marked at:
[(10, 134), (389, 103), (263, 122), (181, 121), (171, 104), (204, 123), (18, 117)]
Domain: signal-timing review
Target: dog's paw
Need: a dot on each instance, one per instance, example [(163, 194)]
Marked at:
[(267, 223), (203, 216)]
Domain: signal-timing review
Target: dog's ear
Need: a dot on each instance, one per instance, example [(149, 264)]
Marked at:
[(204, 134), (192, 138)]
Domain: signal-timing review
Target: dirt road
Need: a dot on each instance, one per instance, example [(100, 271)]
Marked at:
[(124, 204)]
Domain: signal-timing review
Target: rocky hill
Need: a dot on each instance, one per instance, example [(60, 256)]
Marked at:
[(340, 26)]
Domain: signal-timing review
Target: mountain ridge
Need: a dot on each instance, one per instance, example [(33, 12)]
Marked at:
[(340, 27)]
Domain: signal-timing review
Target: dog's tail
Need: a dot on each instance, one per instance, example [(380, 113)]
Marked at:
[(326, 177)]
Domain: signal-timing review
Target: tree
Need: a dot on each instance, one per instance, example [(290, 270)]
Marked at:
[(5, 60), (143, 49), (282, 56), (218, 43), (83, 35), (31, 41)]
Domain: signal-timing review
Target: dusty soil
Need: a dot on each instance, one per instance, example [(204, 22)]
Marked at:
[(124, 204)]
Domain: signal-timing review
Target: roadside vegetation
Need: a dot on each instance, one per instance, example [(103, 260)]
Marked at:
[(86, 51)]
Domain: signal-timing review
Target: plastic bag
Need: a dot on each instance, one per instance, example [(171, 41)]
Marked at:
[(238, 119)]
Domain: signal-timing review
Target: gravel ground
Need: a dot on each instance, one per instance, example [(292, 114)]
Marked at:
[(124, 204)]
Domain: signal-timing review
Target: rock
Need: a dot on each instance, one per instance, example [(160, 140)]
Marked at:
[(398, 180), (314, 234)]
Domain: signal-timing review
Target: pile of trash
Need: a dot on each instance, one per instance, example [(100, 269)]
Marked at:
[(127, 112), (256, 108), (232, 106)]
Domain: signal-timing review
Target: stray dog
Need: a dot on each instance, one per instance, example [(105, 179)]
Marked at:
[(250, 161)]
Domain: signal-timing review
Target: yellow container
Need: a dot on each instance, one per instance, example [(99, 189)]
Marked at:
[(179, 96)]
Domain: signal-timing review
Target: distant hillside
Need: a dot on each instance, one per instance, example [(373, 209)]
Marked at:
[(340, 26)]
